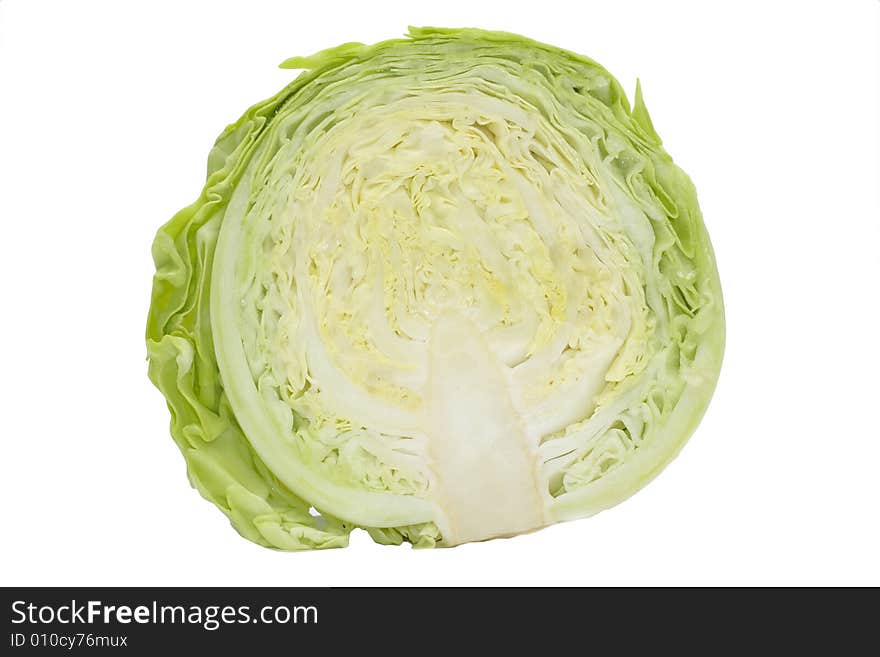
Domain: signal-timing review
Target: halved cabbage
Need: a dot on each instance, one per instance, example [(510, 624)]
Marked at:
[(443, 288)]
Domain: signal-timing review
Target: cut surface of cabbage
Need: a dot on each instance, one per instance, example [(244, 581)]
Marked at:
[(443, 288)]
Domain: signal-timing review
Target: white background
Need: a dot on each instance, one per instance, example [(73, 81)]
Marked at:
[(107, 112)]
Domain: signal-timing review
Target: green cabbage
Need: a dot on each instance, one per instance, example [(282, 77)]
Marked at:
[(443, 288)]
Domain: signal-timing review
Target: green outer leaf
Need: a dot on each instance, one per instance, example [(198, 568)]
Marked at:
[(221, 463)]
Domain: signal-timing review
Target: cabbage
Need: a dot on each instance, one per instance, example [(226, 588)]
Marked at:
[(443, 288)]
